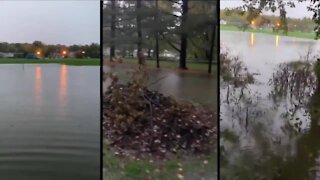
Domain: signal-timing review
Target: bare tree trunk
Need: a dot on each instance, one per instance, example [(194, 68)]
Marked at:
[(213, 35), (139, 45), (157, 36), (184, 35), (113, 30)]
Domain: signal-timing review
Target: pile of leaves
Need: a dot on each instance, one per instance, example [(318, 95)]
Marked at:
[(144, 124)]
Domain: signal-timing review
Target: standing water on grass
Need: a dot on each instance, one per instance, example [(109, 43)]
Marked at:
[(200, 89), (265, 132), (49, 124)]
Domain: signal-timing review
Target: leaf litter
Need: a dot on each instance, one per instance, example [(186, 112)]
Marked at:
[(142, 124)]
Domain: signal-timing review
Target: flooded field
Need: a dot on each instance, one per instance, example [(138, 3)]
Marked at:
[(50, 124), (268, 131), (199, 89)]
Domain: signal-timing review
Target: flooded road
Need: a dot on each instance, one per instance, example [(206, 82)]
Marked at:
[(267, 135), (50, 122)]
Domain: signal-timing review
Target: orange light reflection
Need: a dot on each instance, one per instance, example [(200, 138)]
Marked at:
[(252, 39), (63, 84), (38, 86)]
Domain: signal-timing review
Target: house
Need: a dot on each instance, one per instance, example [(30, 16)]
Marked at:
[(223, 22), (72, 54), (6, 54), (106, 51), (56, 56), (19, 55), (31, 56)]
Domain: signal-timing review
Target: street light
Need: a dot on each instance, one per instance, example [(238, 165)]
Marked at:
[(64, 52), (278, 24), (38, 52), (252, 22), (83, 52)]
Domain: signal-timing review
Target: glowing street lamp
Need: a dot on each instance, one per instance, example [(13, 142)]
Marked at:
[(83, 52), (278, 24), (38, 52), (64, 52), (252, 22)]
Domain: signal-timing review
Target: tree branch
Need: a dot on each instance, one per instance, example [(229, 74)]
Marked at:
[(170, 43), (195, 45), (168, 13), (173, 1)]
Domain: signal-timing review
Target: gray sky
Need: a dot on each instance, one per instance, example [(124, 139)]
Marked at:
[(52, 22), (299, 11)]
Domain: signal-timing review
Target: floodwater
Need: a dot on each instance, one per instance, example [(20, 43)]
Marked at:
[(49, 122), (197, 88), (262, 138), (200, 89)]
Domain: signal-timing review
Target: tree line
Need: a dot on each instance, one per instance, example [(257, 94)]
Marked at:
[(47, 50), (294, 24), (255, 8), (186, 27)]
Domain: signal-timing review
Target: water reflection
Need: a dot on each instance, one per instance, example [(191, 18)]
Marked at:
[(268, 130), (38, 87), (37, 140), (277, 40), (252, 39), (254, 134), (63, 86)]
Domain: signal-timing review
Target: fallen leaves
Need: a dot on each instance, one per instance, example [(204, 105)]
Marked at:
[(142, 124)]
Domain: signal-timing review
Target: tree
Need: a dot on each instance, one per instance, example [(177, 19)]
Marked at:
[(113, 29), (213, 35), (157, 34), (139, 33), (184, 35), (273, 5), (157, 26)]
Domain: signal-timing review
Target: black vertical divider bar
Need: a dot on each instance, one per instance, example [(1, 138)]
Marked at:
[(218, 85), (101, 87)]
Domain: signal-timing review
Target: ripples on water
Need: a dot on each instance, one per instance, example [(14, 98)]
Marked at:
[(49, 122)]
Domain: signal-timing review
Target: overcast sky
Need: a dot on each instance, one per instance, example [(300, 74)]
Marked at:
[(299, 11), (52, 22)]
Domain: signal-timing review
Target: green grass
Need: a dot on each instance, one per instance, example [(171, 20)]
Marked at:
[(71, 61), (196, 66), (124, 169), (305, 35)]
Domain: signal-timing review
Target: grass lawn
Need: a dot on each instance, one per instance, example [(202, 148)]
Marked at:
[(195, 66), (306, 35), (71, 61), (196, 168)]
